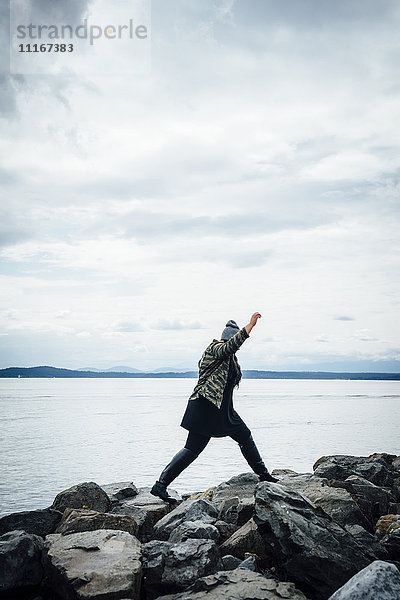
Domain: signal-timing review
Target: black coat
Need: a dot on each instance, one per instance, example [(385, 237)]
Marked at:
[(202, 416)]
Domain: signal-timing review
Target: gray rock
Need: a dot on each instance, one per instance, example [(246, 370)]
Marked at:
[(20, 560), (146, 509), (225, 530), (388, 533), (154, 553), (93, 565), (239, 584), (373, 500), (75, 520), (194, 529), (187, 561), (83, 495), (241, 486), (368, 541), (249, 563), (306, 545), (190, 510), (236, 510), (40, 522), (378, 581), (230, 562), (336, 502), (120, 491), (244, 540), (341, 466)]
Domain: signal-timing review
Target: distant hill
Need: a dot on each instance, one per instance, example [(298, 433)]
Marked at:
[(46, 371), (111, 370)]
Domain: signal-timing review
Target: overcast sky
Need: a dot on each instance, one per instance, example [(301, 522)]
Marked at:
[(255, 167)]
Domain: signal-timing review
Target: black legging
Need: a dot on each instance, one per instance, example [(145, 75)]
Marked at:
[(196, 442)]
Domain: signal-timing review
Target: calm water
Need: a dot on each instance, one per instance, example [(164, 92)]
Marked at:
[(59, 432)]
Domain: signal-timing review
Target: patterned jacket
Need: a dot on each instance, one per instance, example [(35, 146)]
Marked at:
[(214, 367)]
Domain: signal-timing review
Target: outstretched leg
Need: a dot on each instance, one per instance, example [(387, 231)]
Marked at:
[(251, 454), (195, 444)]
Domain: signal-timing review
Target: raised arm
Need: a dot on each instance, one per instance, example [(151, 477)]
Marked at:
[(224, 349)]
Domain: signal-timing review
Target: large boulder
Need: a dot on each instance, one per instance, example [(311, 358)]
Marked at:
[(374, 468), (225, 530), (83, 495), (369, 541), (373, 500), (93, 565), (236, 510), (305, 544), (118, 492), (378, 581), (190, 510), (40, 522), (241, 486), (146, 509), (336, 502), (187, 561), (194, 530), (238, 584), (154, 553), (75, 520), (388, 533), (246, 539), (20, 560), (171, 567)]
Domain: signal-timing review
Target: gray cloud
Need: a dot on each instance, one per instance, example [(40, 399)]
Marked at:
[(128, 326), (343, 318), (176, 324)]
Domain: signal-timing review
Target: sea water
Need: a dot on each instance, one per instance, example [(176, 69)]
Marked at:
[(60, 432)]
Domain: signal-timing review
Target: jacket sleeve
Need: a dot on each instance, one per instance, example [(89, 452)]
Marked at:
[(224, 349)]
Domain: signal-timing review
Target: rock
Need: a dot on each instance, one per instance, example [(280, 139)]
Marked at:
[(146, 509), (378, 581), (93, 565), (283, 472), (372, 499), (236, 510), (246, 539), (207, 495), (190, 510), (241, 486), (225, 530), (388, 533), (368, 541), (39, 522), (84, 495), (187, 561), (154, 553), (121, 491), (75, 520), (239, 584), (306, 546), (20, 560), (336, 502), (194, 529), (230, 562), (249, 563), (341, 466)]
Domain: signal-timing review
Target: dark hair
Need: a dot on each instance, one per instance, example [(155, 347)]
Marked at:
[(239, 371)]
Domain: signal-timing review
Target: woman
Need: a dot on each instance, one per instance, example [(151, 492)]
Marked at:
[(210, 413)]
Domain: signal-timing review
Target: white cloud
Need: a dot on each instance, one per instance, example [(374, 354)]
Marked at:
[(255, 168)]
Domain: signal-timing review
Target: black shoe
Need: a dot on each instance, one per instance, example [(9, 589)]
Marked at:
[(253, 457), (160, 491), (180, 461), (268, 477)]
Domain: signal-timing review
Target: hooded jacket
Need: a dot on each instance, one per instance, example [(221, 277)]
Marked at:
[(214, 367)]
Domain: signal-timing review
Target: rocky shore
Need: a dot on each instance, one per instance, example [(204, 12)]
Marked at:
[(331, 534)]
